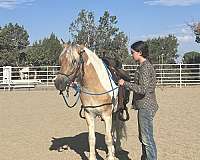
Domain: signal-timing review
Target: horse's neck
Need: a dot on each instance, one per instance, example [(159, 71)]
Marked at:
[(96, 74)]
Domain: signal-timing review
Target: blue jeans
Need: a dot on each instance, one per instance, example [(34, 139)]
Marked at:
[(145, 128)]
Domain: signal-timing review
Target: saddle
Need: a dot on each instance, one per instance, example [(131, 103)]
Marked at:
[(115, 67)]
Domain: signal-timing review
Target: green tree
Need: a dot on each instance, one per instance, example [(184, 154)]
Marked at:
[(196, 29), (120, 48), (45, 52), (197, 32), (191, 58), (13, 39), (106, 33), (163, 49), (104, 36), (83, 29)]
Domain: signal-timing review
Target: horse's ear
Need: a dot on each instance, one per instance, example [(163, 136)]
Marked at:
[(62, 41), (65, 44)]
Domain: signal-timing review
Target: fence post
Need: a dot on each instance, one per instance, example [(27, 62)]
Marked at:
[(47, 77), (7, 76), (199, 73), (28, 76), (161, 74), (180, 75)]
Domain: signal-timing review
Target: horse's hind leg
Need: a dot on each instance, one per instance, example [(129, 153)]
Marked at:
[(90, 121), (108, 136)]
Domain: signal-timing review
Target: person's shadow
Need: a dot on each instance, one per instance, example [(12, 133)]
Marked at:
[(79, 144)]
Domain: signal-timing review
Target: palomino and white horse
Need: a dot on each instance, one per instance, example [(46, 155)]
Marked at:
[(78, 63)]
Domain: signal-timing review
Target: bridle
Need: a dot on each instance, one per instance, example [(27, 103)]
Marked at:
[(71, 77), (75, 71)]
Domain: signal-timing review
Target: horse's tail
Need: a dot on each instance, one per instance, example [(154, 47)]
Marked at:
[(118, 131)]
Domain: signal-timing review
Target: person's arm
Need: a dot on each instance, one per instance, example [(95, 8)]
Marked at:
[(144, 82)]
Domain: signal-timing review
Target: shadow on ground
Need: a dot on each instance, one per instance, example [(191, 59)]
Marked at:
[(79, 144)]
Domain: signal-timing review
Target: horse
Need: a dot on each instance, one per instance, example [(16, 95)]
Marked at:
[(26, 73), (79, 64)]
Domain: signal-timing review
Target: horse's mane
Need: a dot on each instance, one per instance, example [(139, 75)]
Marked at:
[(103, 74), (92, 55)]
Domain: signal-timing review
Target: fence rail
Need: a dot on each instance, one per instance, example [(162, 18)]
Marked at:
[(173, 74), (167, 74), (27, 77)]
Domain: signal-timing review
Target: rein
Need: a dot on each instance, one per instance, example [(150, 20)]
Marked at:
[(78, 90), (65, 99)]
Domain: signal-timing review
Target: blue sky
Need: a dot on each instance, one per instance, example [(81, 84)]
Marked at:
[(137, 18)]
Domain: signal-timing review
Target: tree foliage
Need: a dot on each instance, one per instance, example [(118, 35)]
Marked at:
[(196, 29), (103, 37), (13, 40), (83, 29), (197, 32), (163, 49), (191, 58), (106, 39), (44, 52)]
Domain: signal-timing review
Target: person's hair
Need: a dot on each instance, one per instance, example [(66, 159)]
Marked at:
[(141, 46)]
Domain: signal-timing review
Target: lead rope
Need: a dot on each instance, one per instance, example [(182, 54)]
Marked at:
[(65, 98), (78, 90)]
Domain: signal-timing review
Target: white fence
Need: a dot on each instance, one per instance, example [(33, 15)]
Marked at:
[(173, 74), (28, 77)]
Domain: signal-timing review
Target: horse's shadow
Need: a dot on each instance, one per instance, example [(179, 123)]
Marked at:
[(79, 144)]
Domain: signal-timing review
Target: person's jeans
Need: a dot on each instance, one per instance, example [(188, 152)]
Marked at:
[(145, 128)]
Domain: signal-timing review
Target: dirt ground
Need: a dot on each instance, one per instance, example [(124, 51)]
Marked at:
[(34, 125)]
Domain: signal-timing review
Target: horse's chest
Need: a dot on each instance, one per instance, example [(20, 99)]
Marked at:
[(95, 100)]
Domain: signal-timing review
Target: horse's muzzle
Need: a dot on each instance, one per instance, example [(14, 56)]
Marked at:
[(61, 82)]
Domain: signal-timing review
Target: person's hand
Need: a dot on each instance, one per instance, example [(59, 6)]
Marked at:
[(121, 82)]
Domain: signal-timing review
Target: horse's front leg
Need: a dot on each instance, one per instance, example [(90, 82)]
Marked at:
[(108, 137), (90, 119)]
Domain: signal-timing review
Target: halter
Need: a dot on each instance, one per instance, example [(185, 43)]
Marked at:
[(74, 75), (75, 70)]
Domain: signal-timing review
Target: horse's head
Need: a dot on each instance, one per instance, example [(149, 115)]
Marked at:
[(71, 62)]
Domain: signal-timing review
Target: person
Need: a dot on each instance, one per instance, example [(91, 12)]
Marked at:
[(144, 98)]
